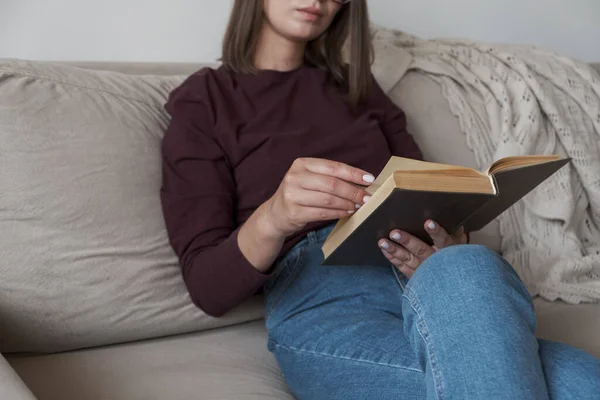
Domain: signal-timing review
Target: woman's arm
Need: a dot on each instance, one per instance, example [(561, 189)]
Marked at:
[(224, 264), (198, 200)]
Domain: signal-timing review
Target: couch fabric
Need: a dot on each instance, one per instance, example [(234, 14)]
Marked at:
[(227, 363), (85, 255), (119, 282)]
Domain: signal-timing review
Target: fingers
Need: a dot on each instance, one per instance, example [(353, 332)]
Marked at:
[(400, 255), (310, 198), (338, 170), (441, 238), (334, 186), (313, 214), (405, 261), (319, 190), (417, 247)]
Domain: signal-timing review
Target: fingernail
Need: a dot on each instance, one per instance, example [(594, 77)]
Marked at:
[(369, 178), (366, 198), (385, 245), (350, 211), (357, 206), (396, 236), (431, 225)]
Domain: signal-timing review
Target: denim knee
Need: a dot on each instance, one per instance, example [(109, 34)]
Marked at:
[(473, 268)]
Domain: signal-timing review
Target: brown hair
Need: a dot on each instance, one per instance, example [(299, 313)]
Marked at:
[(351, 24)]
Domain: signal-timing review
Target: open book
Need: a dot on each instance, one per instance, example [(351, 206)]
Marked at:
[(408, 192)]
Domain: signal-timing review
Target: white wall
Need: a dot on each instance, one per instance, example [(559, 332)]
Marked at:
[(191, 30)]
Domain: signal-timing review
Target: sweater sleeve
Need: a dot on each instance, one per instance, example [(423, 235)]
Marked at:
[(392, 121), (198, 197)]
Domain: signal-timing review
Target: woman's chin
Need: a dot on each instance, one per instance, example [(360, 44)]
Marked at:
[(302, 38), (302, 33)]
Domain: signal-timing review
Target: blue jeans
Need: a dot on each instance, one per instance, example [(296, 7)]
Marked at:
[(461, 328)]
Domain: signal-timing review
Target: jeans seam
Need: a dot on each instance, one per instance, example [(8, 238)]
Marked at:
[(398, 279), (316, 353), (423, 331)]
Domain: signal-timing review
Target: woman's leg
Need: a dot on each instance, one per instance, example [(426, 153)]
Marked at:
[(337, 333), (472, 326), (570, 373), (463, 327)]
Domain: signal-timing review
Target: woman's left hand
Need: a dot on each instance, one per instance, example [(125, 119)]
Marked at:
[(407, 252)]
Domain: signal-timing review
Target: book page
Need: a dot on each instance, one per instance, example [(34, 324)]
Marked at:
[(507, 163), (513, 184), (406, 164)]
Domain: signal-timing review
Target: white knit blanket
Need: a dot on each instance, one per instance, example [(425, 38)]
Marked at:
[(518, 100)]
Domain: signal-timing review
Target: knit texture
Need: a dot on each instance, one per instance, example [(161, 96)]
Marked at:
[(521, 100)]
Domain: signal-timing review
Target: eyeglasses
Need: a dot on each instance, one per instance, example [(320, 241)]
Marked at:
[(342, 2)]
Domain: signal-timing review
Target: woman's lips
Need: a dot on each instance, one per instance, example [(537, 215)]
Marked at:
[(310, 13)]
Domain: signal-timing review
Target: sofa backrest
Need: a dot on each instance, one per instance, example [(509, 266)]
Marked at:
[(84, 255)]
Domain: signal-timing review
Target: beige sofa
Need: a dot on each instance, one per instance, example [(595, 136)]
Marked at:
[(92, 305)]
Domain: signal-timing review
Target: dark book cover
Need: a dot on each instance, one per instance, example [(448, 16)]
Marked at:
[(408, 210)]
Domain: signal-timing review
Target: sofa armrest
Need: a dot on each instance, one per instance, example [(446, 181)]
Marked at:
[(11, 386)]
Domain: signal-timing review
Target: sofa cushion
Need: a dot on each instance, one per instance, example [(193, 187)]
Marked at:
[(85, 259), (574, 324), (226, 363)]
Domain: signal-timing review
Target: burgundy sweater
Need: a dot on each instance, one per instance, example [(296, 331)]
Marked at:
[(231, 140)]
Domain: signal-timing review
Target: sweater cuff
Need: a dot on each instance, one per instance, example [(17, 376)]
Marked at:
[(227, 281), (248, 275)]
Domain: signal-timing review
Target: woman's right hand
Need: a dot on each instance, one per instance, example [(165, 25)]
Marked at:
[(316, 190)]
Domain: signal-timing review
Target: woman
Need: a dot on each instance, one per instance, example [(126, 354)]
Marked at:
[(264, 153)]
